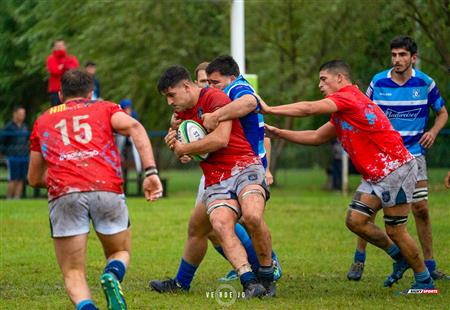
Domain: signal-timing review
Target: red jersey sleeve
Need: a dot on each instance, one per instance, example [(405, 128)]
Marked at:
[(341, 101), (34, 139)]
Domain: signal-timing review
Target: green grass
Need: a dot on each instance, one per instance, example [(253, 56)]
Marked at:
[(309, 236)]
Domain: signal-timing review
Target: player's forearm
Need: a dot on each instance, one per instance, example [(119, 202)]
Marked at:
[(297, 109), (38, 179), (306, 137), (440, 121), (209, 144), (237, 108), (268, 149), (143, 145)]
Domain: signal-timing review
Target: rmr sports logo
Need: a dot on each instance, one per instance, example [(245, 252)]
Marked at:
[(225, 295), (409, 115), (421, 291)]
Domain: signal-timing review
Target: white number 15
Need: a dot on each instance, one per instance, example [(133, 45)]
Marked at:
[(83, 137)]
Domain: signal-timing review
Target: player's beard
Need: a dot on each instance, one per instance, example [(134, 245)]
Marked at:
[(402, 72)]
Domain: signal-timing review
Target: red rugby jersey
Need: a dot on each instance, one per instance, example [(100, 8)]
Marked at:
[(228, 161), (374, 146), (76, 140)]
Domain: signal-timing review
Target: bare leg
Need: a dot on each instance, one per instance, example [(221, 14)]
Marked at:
[(198, 230), (18, 189), (423, 223), (363, 225), (223, 220), (253, 206), (117, 246), (400, 235), (71, 254), (11, 189)]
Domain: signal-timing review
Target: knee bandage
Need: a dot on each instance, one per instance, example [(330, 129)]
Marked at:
[(361, 207), (392, 220), (420, 193), (253, 192), (213, 207)]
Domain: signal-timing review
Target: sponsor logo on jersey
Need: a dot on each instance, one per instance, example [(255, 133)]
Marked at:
[(79, 155), (58, 108), (416, 92), (409, 115)]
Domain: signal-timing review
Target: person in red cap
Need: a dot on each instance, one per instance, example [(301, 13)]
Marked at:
[(58, 62)]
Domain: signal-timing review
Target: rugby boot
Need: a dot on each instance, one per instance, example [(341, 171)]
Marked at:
[(439, 275), (356, 271), (253, 289), (277, 272), (113, 292), (166, 286), (230, 276), (400, 267)]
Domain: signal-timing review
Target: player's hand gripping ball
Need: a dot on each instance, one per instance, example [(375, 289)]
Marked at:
[(190, 131)]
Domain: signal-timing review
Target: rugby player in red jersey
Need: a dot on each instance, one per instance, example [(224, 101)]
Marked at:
[(376, 149), (74, 155), (234, 186)]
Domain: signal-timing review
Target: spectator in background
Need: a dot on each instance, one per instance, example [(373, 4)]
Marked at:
[(92, 69), (58, 62), (121, 141), (14, 145), (200, 74)]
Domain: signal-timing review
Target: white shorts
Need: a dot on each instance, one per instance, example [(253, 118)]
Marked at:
[(70, 214), (200, 192), (231, 187), (396, 188), (422, 168)]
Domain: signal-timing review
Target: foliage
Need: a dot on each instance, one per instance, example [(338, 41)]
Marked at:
[(134, 41)]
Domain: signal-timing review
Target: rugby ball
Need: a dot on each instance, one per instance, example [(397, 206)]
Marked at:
[(190, 131)]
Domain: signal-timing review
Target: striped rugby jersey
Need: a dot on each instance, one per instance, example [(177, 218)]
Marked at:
[(407, 106), (252, 123)]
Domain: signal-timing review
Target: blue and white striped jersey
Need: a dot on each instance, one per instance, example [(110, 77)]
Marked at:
[(407, 106), (252, 123)]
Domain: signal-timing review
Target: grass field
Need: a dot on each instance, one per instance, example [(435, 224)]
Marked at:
[(309, 235)]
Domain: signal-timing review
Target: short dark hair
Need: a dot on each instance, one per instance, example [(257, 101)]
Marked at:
[(404, 42), (18, 107), (76, 83), (200, 67), (172, 76), (225, 65), (337, 66), (90, 63)]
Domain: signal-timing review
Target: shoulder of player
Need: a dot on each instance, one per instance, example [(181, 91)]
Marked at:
[(215, 94), (423, 76), (380, 76)]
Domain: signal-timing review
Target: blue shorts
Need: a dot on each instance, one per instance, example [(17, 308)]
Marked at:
[(17, 168)]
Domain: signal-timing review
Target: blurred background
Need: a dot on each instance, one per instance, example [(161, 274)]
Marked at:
[(132, 42)]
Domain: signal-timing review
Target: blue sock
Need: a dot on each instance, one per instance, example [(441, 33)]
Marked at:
[(185, 274), (360, 256), (86, 304), (117, 268), (394, 252), (247, 243), (431, 264), (247, 277), (423, 277), (221, 252)]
